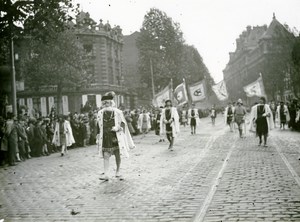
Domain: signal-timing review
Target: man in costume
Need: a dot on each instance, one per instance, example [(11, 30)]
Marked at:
[(63, 135), (157, 123), (228, 116), (239, 116), (262, 120), (213, 115), (113, 136), (169, 123), (193, 117), (283, 115)]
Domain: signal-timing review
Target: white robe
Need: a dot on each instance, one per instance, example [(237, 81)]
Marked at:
[(286, 112), (175, 124), (68, 132), (196, 116), (253, 117), (140, 121), (125, 141)]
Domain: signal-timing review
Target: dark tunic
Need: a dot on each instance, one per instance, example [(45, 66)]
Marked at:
[(157, 124), (168, 117), (110, 141), (193, 119), (282, 115), (229, 115), (261, 122)]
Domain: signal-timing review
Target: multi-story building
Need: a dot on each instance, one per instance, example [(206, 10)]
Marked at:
[(262, 50), (103, 45)]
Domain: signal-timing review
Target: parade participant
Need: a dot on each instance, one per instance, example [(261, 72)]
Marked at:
[(63, 135), (213, 115), (157, 123), (144, 122), (273, 109), (239, 116), (193, 117), (113, 136), (282, 115), (184, 117), (262, 120), (169, 123), (228, 116)]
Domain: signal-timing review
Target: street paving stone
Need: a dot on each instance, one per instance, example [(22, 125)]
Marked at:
[(160, 185)]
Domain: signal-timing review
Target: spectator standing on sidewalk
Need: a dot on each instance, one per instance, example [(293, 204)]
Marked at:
[(169, 123), (262, 120), (114, 137), (12, 139)]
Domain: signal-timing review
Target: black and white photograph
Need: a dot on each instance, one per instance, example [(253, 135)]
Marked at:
[(149, 110)]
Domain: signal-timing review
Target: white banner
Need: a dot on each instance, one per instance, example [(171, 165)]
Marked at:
[(197, 91), (161, 97), (84, 99), (65, 105), (180, 94), (30, 107), (43, 106), (22, 102), (221, 90), (98, 100), (50, 102), (256, 88)]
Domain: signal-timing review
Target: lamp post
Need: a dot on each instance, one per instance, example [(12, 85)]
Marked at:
[(13, 78)]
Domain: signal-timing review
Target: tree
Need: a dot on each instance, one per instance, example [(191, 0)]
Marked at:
[(61, 63), (161, 42)]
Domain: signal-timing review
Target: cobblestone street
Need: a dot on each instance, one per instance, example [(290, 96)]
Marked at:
[(211, 176)]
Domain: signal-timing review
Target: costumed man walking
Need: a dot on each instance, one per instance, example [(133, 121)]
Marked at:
[(283, 115), (169, 123), (193, 117), (213, 115), (157, 123), (63, 135), (239, 116), (113, 136), (228, 116), (262, 120)]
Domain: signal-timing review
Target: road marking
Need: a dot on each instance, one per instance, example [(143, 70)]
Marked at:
[(202, 212), (289, 166)]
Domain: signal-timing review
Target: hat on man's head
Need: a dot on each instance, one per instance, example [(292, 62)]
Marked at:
[(239, 101), (105, 98), (168, 100)]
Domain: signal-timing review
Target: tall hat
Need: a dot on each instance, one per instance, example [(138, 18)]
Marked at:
[(108, 96)]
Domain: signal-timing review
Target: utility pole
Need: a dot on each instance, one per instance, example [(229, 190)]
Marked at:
[(152, 78), (13, 78)]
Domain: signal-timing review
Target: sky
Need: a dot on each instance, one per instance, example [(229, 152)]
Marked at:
[(212, 26)]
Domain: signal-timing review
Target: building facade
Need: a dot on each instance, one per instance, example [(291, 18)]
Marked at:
[(262, 50), (103, 45)]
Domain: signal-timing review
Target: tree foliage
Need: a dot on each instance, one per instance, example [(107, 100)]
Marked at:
[(161, 41)]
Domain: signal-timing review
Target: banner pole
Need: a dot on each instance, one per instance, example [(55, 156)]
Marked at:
[(172, 93)]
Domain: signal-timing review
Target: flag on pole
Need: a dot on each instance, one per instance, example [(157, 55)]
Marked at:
[(256, 88), (220, 90), (197, 91), (160, 98), (180, 94)]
